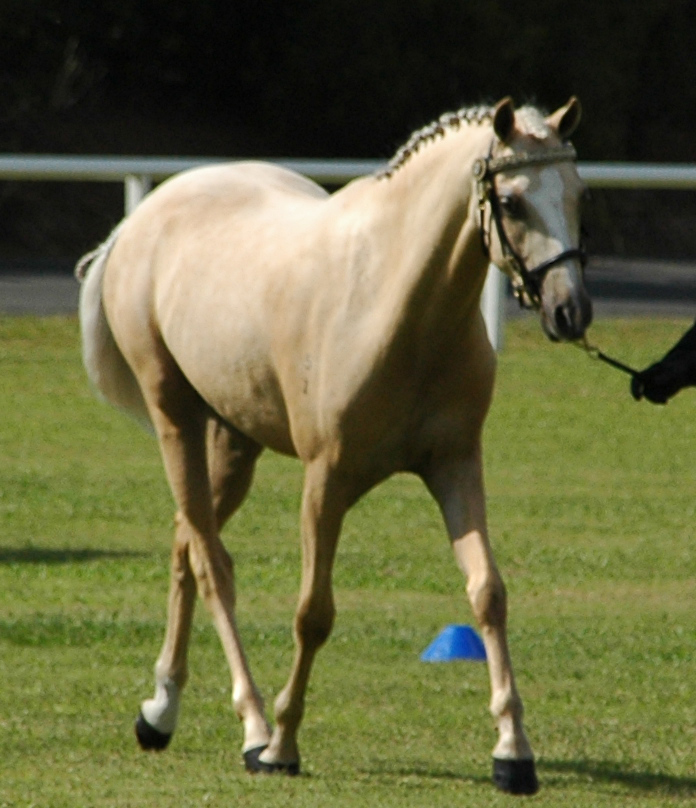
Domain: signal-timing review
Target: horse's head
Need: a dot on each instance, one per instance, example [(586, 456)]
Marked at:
[(529, 196)]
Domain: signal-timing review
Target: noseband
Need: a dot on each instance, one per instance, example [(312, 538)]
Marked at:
[(527, 282)]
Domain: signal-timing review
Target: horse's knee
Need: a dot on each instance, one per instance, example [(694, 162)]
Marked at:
[(488, 599), (314, 621)]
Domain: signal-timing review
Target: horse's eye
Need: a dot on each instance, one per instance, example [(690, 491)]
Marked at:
[(512, 205)]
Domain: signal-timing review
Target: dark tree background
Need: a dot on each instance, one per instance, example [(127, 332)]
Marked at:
[(333, 78)]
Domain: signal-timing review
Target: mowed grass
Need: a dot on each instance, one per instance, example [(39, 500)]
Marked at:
[(591, 510)]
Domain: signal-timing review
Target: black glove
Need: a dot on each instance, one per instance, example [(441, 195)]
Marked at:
[(676, 370), (658, 383)]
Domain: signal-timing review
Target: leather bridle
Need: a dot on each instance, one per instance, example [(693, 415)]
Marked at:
[(526, 283)]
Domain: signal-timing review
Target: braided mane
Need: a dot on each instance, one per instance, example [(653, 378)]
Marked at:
[(438, 128), (530, 117)]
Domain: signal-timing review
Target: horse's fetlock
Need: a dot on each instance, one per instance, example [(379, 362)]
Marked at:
[(245, 700), (506, 703), (288, 712), (171, 678)]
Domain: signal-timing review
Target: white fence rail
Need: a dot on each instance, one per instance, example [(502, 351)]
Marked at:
[(141, 172), (138, 174)]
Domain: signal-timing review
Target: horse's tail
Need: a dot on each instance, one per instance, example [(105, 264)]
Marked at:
[(106, 366)]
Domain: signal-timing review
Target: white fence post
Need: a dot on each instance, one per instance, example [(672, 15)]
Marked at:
[(135, 188), (493, 306)]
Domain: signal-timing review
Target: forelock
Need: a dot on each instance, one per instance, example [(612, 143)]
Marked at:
[(532, 122)]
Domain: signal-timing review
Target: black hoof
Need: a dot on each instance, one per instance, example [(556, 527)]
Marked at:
[(148, 737), (256, 766), (515, 776)]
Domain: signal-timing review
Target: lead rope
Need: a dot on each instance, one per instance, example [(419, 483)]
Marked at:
[(594, 353)]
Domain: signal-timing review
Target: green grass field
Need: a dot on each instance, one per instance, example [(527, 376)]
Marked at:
[(591, 510)]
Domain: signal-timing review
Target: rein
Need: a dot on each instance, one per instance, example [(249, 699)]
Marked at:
[(527, 285)]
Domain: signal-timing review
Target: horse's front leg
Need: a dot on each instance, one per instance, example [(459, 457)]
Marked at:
[(323, 508), (458, 488)]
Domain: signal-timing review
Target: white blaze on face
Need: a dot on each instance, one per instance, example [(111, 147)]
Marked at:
[(547, 199)]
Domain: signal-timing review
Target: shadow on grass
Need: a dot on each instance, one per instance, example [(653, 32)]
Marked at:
[(43, 555), (424, 771), (599, 771), (610, 772)]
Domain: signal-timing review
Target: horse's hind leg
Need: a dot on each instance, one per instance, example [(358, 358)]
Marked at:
[(206, 494), (231, 461), (158, 716)]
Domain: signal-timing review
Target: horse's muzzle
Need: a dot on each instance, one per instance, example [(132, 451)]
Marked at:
[(566, 309)]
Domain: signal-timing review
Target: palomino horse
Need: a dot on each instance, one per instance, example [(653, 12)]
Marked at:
[(241, 307)]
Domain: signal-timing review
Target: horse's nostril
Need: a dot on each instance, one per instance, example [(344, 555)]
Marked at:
[(571, 320), (564, 321)]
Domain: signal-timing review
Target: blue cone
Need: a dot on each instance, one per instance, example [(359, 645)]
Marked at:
[(455, 642)]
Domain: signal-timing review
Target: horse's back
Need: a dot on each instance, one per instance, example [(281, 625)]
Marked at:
[(194, 206), (242, 187)]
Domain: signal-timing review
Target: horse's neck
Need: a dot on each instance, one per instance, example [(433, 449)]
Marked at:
[(429, 234)]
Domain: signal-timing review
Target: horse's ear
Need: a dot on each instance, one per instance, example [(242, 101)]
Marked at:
[(504, 119), (566, 119)]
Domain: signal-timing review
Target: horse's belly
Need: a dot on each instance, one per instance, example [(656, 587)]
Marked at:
[(258, 417), (246, 394)]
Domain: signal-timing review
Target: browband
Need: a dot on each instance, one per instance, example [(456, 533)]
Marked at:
[(486, 167)]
